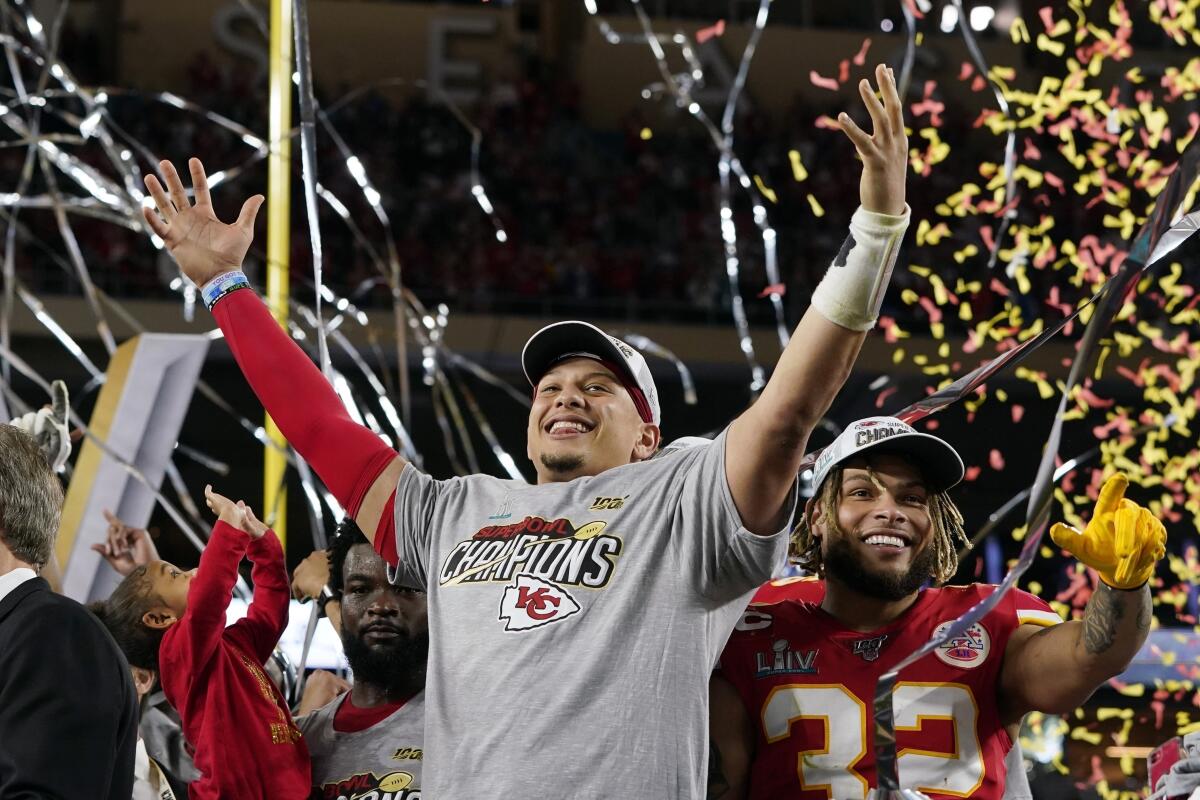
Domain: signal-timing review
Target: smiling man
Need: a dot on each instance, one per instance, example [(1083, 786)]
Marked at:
[(573, 623), (792, 700)]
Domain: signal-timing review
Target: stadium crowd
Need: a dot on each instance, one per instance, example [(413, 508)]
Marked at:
[(613, 630), (622, 223)]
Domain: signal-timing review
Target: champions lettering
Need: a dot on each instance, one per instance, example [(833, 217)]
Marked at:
[(553, 550), (867, 436)]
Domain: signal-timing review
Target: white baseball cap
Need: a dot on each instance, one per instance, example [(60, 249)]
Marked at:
[(939, 463), (575, 339)]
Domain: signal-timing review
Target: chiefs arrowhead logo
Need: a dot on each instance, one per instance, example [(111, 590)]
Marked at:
[(530, 602)]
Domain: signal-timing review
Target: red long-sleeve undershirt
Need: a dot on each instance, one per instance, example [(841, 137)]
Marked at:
[(346, 456)]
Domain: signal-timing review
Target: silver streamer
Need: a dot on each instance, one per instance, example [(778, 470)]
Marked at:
[(119, 202), (729, 165), (647, 345), (1008, 203), (308, 169)]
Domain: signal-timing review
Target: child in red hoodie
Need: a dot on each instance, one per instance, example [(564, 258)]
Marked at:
[(246, 744)]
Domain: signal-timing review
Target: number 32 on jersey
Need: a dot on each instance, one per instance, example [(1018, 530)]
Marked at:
[(830, 766)]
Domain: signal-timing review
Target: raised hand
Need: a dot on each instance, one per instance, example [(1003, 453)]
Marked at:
[(202, 245), (1122, 542), (884, 151), (125, 548), (237, 515), (49, 427)]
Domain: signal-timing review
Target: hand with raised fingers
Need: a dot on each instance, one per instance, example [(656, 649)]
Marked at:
[(252, 525), (202, 245), (884, 151), (125, 548), (227, 511), (50, 427), (1122, 542)]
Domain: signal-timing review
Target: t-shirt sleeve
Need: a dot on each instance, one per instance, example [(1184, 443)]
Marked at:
[(1028, 609), (726, 559), (416, 503)]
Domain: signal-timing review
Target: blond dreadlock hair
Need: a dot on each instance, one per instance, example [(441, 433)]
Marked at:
[(945, 519)]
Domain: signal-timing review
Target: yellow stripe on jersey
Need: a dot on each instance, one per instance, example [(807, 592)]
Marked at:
[(1028, 616)]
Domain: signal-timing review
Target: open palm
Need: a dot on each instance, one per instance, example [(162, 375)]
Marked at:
[(202, 245)]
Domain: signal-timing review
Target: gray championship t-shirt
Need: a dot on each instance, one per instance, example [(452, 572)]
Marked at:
[(573, 626), (382, 762)]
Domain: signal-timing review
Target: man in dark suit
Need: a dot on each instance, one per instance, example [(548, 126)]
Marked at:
[(68, 713)]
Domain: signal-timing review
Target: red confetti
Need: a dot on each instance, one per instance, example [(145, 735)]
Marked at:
[(774, 288), (1018, 411), (965, 71), (972, 473), (711, 32), (860, 57), (995, 460), (884, 395), (822, 82), (928, 105), (1047, 15), (935, 313)]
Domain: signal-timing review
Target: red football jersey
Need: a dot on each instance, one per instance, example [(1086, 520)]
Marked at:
[(809, 684)]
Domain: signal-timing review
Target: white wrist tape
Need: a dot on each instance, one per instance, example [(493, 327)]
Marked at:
[(854, 285)]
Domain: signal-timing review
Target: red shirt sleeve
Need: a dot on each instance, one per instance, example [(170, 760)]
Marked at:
[(193, 640), (259, 631), (347, 456)]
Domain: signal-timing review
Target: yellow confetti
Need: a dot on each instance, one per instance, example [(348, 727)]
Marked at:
[(816, 207), (647, 134), (1047, 44), (766, 191), (1019, 32), (799, 173)]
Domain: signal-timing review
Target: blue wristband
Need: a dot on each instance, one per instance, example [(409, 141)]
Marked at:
[(222, 285)]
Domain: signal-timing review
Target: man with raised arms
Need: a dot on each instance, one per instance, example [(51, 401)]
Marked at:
[(573, 623), (792, 701)]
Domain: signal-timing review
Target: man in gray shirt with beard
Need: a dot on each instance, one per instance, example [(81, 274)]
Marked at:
[(369, 742), (573, 623)]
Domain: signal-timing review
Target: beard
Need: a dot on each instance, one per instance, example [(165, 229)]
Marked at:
[(842, 564), (396, 667), (562, 464)]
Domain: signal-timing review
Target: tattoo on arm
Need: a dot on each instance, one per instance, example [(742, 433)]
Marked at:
[(1103, 615), (718, 784)]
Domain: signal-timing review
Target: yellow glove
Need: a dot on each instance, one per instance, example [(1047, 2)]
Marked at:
[(1123, 541)]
